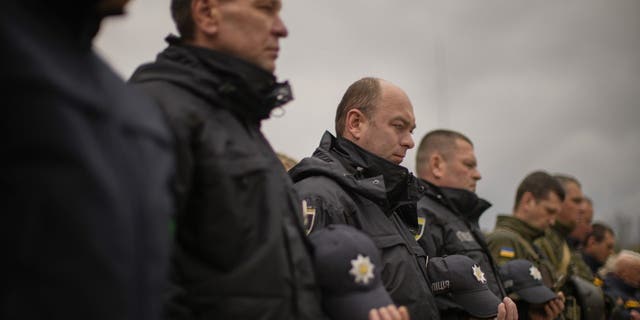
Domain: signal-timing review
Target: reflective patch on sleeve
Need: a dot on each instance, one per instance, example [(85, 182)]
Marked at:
[(632, 304), (598, 282), (507, 252), (309, 215)]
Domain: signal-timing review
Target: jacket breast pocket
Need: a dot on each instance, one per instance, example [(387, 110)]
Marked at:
[(230, 206), (401, 272)]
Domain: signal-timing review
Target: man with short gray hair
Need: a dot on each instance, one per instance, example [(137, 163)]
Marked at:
[(448, 169)]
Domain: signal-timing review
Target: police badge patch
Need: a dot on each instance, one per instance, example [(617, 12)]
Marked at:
[(309, 215), (465, 236), (362, 269), (535, 273), (420, 232), (477, 272)]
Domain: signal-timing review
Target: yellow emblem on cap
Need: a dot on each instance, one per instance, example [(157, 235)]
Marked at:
[(477, 272), (362, 269)]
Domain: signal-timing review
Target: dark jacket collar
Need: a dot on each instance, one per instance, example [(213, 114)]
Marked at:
[(561, 229), (613, 281), (366, 164), (573, 243), (389, 185), (242, 87), (462, 202), (593, 264), (527, 231)]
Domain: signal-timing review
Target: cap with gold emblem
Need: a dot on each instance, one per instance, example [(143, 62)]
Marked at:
[(458, 282), (522, 278), (347, 265)]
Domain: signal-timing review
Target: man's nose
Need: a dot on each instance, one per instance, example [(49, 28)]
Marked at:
[(408, 142), (279, 28)]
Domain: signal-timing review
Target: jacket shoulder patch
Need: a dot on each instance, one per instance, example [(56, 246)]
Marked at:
[(507, 252), (308, 215)]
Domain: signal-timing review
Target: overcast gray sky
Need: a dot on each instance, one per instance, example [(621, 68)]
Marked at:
[(549, 84)]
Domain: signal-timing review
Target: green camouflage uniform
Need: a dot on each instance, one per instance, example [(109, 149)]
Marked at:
[(566, 263), (512, 239)]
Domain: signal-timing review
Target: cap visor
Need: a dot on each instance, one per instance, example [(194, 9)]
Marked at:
[(536, 294), (480, 304), (356, 305)]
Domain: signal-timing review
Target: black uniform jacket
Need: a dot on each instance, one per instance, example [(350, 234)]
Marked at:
[(240, 251), (343, 183), (86, 164), (451, 227)]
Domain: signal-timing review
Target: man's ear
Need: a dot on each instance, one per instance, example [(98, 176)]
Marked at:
[(206, 16), (437, 165), (527, 201), (355, 124)]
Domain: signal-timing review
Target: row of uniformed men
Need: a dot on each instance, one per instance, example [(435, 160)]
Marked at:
[(93, 187)]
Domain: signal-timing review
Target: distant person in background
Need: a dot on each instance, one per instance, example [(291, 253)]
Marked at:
[(555, 243), (583, 225), (86, 168), (598, 246), (622, 286), (286, 161), (578, 287)]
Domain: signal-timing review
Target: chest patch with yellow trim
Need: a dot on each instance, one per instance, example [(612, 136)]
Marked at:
[(309, 215)]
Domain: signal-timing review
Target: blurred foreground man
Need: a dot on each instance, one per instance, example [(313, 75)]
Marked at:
[(86, 167), (356, 179), (447, 165)]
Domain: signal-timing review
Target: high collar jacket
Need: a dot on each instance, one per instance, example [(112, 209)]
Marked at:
[(239, 250), (344, 184), (451, 227)]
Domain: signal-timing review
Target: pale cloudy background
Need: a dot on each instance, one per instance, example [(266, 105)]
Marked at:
[(547, 84)]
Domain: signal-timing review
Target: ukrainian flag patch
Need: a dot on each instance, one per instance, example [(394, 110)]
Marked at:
[(507, 252)]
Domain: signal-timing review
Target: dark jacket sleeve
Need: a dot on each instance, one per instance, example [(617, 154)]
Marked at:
[(321, 205)]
